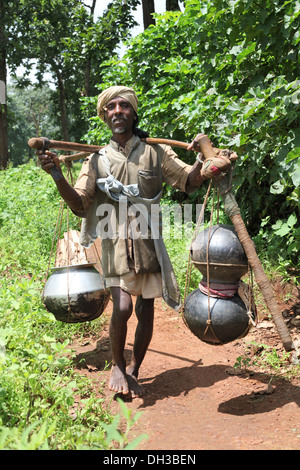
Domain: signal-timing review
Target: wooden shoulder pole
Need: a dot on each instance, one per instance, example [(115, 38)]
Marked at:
[(231, 207), (37, 143)]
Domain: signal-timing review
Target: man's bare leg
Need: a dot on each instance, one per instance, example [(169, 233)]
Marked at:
[(144, 309), (122, 310)]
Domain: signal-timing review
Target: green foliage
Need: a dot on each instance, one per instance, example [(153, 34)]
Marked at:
[(44, 404), (230, 70), (29, 207), (267, 360), (113, 433), (178, 246), (30, 114)]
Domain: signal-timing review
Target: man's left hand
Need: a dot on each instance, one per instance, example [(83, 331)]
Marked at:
[(195, 144)]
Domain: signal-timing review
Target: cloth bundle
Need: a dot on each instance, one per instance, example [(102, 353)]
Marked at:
[(218, 165)]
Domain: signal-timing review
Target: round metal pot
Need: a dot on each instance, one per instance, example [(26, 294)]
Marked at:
[(227, 259), (228, 318), (75, 293)]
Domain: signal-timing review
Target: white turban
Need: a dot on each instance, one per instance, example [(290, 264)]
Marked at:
[(124, 92)]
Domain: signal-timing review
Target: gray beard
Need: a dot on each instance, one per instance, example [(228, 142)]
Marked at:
[(119, 130)]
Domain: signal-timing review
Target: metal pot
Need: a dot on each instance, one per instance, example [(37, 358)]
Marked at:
[(226, 256), (75, 293), (226, 320)]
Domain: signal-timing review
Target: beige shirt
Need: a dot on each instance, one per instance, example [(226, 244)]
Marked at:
[(138, 163)]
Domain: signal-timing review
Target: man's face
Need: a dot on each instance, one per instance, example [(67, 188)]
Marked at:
[(119, 115)]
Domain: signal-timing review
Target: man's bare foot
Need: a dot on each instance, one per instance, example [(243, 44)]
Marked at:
[(125, 384), (136, 389), (118, 382)]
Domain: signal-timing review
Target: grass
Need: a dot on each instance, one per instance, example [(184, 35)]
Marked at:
[(38, 384)]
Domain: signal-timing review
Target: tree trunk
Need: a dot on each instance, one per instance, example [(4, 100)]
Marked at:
[(88, 64), (148, 9), (3, 105), (172, 5), (3, 127), (63, 107)]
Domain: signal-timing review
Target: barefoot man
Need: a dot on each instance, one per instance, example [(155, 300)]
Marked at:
[(116, 194)]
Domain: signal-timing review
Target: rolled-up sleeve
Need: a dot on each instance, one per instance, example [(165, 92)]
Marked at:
[(175, 171), (85, 185)]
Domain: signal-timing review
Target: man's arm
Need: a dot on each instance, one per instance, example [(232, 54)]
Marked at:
[(68, 193), (194, 178)]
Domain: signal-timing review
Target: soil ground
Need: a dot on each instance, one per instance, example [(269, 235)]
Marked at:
[(195, 398)]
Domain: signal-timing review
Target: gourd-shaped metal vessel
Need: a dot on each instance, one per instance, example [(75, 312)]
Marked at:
[(226, 256), (75, 293), (218, 319), (227, 320)]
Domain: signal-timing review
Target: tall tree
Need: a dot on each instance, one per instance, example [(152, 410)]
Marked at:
[(61, 37), (88, 64), (13, 26), (3, 105), (66, 42), (29, 113), (148, 10)]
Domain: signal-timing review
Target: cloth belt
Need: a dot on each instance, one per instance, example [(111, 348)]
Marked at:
[(220, 291)]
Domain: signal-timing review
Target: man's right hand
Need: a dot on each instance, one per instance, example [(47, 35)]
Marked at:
[(49, 160)]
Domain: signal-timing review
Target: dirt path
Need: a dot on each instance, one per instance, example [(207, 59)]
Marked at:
[(194, 399)]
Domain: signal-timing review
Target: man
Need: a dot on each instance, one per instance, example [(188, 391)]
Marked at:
[(126, 173)]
